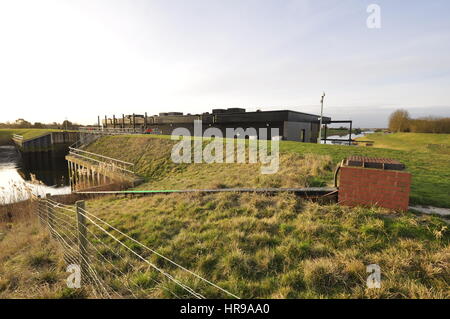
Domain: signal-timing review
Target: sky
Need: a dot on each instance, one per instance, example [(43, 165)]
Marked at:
[(76, 59)]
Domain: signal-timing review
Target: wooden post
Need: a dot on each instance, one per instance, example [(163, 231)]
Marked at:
[(70, 174), (123, 121), (39, 209), (50, 220), (82, 236), (114, 121), (76, 177), (98, 121), (134, 124), (325, 138), (106, 121)]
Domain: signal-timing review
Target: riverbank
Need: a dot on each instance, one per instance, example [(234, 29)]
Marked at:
[(27, 133), (37, 173)]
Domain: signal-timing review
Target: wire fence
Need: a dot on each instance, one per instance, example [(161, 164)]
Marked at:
[(114, 264)]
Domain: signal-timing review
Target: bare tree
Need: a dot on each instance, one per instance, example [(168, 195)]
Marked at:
[(399, 121)]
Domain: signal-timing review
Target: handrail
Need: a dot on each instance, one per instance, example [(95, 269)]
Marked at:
[(101, 162), (103, 156), (110, 130)]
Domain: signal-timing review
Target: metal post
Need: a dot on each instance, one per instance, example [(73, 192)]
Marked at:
[(82, 235), (350, 134), (106, 121), (145, 121), (98, 121), (321, 116)]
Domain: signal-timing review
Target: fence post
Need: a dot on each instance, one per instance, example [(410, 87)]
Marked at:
[(39, 207), (82, 235), (49, 214)]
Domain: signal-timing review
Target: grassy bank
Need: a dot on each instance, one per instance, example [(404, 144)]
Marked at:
[(417, 142), (279, 247), (27, 133), (31, 263), (301, 164)]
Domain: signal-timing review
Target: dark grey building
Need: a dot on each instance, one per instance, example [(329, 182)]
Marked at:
[(292, 125)]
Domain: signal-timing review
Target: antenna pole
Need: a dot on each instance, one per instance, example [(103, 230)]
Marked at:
[(319, 139)]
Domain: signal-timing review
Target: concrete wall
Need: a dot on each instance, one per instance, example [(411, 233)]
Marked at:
[(292, 131), (50, 141)]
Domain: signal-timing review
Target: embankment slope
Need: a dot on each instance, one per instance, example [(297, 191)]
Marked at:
[(278, 246)]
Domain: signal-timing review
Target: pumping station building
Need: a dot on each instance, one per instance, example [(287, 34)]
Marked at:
[(292, 125)]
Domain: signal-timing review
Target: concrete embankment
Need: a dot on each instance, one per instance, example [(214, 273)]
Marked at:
[(46, 142)]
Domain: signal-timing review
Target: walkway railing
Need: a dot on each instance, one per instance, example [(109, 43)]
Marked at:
[(111, 131), (17, 137), (102, 160)]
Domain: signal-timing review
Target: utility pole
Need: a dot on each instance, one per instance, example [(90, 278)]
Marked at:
[(319, 139)]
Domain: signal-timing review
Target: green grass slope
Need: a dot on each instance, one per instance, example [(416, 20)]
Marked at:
[(301, 165), (278, 247)]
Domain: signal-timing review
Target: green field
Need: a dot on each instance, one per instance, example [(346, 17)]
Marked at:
[(27, 133), (417, 142)]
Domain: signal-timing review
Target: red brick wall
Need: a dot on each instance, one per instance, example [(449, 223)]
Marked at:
[(368, 187)]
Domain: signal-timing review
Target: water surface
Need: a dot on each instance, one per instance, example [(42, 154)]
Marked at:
[(39, 173)]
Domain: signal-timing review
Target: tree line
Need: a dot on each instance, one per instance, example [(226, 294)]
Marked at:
[(400, 121), (21, 123)]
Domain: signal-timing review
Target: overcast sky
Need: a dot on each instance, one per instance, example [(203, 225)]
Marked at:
[(78, 59)]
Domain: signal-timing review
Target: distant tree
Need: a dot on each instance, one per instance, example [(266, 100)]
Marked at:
[(38, 125), (21, 123), (67, 125), (399, 121)]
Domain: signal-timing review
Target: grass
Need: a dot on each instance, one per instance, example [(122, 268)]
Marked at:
[(281, 247), (252, 245), (255, 246), (27, 133), (31, 263), (430, 185), (417, 142)]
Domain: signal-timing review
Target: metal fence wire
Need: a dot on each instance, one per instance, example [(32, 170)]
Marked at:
[(115, 265)]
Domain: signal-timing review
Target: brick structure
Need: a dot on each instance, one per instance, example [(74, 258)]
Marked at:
[(387, 187)]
